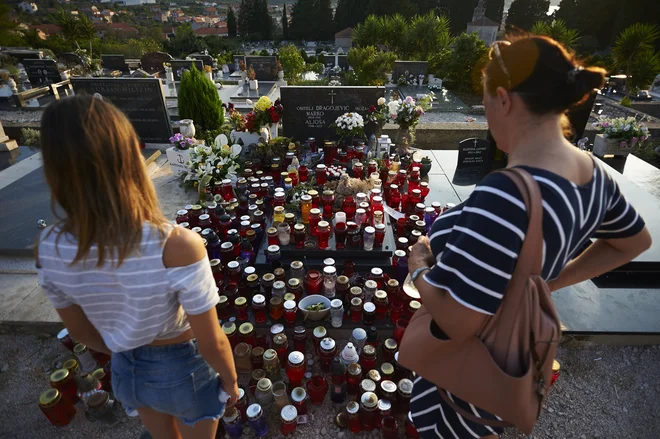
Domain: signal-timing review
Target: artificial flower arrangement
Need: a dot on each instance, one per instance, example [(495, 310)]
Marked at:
[(334, 83), (407, 112), (628, 131), (252, 75), (181, 142), (264, 113), (236, 119), (213, 163), (349, 125)]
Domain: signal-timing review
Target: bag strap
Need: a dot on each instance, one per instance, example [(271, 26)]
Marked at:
[(531, 253)]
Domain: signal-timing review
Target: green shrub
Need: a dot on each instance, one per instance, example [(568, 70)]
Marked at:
[(30, 137), (460, 67), (370, 65), (199, 101), (626, 102), (319, 81), (292, 62), (317, 68)]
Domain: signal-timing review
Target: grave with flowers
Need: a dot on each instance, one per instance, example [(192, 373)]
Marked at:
[(619, 136)]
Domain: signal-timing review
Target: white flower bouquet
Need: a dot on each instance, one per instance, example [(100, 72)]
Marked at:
[(628, 131), (407, 112), (212, 163), (349, 125)]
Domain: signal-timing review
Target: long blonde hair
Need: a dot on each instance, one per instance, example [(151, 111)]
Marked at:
[(96, 173)]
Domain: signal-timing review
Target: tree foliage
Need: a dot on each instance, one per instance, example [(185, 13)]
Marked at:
[(460, 14), (524, 13), (461, 66), (370, 65), (407, 8), (558, 31), (634, 53), (199, 101), (292, 62), (285, 24), (418, 38), (254, 22), (231, 23), (312, 20), (349, 13), (185, 42), (495, 10)]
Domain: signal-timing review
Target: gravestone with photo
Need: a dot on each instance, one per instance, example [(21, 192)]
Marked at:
[(265, 67), (42, 72), (181, 65), (410, 68), (311, 111), (141, 99), (152, 62), (115, 62), (237, 60)]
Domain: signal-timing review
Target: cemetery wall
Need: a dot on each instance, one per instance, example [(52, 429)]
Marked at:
[(651, 108)]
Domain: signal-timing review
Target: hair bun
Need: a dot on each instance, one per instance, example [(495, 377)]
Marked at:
[(583, 81)]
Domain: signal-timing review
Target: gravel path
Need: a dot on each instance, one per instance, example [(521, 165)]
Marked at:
[(603, 392)]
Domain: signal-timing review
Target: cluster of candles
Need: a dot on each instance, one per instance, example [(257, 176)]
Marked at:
[(84, 379), (364, 376)]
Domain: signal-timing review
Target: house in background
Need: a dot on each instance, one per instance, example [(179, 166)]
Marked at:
[(208, 31), (344, 38), (485, 28), (45, 31)]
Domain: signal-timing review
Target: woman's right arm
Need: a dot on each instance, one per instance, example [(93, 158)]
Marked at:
[(602, 256), (184, 248)]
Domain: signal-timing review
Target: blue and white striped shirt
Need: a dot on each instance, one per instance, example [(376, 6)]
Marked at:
[(477, 243), (134, 304)]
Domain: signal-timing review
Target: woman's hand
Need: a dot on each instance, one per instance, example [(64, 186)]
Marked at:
[(420, 255)]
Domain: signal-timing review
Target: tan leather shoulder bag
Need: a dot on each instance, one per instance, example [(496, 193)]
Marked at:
[(506, 367)]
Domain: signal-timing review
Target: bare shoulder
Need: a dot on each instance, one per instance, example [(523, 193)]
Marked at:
[(183, 247)]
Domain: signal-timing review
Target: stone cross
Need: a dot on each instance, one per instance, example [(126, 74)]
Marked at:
[(332, 95)]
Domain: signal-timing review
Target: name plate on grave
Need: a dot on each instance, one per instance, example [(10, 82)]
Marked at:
[(265, 67), (141, 99), (181, 65), (42, 72), (475, 153), (311, 111)]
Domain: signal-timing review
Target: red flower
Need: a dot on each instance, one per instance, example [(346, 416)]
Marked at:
[(372, 109), (274, 115)]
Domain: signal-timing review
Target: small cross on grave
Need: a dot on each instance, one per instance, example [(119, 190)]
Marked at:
[(332, 95)]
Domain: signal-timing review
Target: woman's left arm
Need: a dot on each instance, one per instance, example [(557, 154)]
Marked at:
[(456, 320), (81, 329)]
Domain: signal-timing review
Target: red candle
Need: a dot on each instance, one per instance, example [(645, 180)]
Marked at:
[(296, 368), (395, 311), (290, 310), (327, 351), (368, 411), (356, 310), (259, 308), (59, 410), (300, 339), (555, 371), (349, 207), (389, 427), (353, 411), (368, 357), (63, 381), (321, 175), (299, 399), (340, 235), (323, 234), (314, 219), (302, 173), (317, 387), (353, 378), (288, 417), (240, 305), (313, 282)]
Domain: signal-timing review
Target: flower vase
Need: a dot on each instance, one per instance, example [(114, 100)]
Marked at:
[(187, 128), (169, 75), (273, 131), (280, 75), (254, 84), (403, 140), (210, 76), (606, 146), (264, 133), (64, 75)]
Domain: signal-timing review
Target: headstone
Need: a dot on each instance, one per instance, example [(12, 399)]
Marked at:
[(414, 68), (141, 99), (311, 111), (329, 61), (42, 72), (578, 116), (206, 59), (22, 54), (181, 65), (475, 153), (70, 59), (264, 66), (153, 62), (114, 62)]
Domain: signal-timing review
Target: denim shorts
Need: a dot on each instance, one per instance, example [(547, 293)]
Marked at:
[(172, 379)]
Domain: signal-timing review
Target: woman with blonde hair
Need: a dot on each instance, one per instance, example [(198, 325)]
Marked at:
[(463, 271), (124, 280)]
